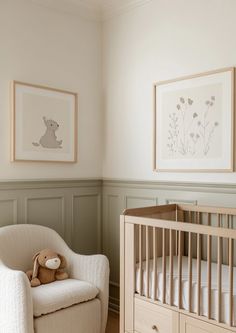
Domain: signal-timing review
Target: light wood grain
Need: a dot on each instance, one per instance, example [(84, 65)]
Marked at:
[(219, 276), (191, 325), (154, 231), (209, 274), (171, 266), (164, 265), (129, 277), (140, 259), (159, 239), (122, 274), (147, 261), (150, 318), (189, 272), (231, 277)]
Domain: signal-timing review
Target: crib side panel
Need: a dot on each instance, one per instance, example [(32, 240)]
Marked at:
[(122, 274), (127, 278)]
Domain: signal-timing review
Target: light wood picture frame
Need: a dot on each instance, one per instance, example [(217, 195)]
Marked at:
[(194, 122), (44, 124)]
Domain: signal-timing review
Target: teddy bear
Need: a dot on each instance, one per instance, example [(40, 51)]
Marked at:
[(49, 139), (48, 267)]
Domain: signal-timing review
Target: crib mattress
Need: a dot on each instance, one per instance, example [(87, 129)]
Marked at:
[(204, 290)]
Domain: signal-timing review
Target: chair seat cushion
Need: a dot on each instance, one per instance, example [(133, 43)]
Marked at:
[(57, 295)]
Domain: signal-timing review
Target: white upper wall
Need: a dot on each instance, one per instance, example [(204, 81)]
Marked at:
[(160, 40), (43, 46)]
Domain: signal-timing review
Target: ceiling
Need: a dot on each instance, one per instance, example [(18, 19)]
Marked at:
[(104, 4), (95, 9)]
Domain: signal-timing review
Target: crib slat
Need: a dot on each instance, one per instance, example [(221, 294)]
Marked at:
[(171, 266), (189, 271), (219, 276), (190, 266), (231, 305), (147, 261), (227, 240), (180, 270), (198, 273), (140, 261), (209, 275), (176, 236), (154, 263), (163, 265)]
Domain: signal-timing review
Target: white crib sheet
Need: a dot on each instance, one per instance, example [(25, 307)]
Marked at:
[(204, 302)]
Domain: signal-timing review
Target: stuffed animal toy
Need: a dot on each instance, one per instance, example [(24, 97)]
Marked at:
[(48, 267)]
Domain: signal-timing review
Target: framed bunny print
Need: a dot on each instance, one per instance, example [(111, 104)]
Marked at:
[(44, 124)]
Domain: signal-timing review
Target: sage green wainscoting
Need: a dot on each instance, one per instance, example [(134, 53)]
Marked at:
[(71, 207), (121, 194), (86, 212)]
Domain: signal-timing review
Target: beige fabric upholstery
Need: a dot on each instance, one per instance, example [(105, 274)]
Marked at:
[(65, 321), (51, 297), (18, 244)]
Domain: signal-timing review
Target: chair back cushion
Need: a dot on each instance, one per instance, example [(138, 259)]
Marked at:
[(18, 244)]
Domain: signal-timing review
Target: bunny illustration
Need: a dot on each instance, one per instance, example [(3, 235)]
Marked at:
[(49, 139)]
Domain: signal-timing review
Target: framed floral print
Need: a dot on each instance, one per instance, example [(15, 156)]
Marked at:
[(44, 124), (194, 123)]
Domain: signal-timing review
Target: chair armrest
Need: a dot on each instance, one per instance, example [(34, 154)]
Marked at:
[(16, 309), (94, 269)]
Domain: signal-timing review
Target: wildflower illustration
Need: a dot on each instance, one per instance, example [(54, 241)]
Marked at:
[(206, 129), (179, 126), (189, 131), (173, 133)]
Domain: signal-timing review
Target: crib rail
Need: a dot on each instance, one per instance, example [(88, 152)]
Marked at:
[(200, 236)]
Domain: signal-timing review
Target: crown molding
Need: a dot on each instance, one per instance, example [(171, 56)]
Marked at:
[(97, 12), (112, 10), (79, 8)]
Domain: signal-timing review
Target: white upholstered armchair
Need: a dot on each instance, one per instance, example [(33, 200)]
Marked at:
[(76, 305)]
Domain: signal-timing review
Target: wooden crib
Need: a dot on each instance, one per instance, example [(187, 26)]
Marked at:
[(177, 272)]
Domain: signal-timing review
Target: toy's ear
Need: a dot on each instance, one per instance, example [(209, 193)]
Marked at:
[(36, 265), (63, 261), (36, 255)]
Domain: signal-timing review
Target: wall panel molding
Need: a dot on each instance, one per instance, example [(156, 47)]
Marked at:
[(48, 202), (84, 205), (61, 228), (5, 214), (94, 221), (149, 201)]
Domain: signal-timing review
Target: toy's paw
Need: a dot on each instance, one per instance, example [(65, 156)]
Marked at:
[(35, 282), (61, 276)]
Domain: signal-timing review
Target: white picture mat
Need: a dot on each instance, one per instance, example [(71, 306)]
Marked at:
[(224, 160), (31, 105)]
